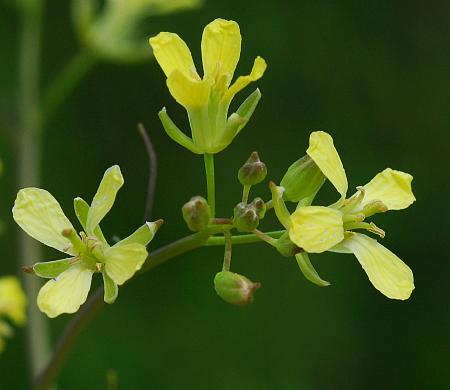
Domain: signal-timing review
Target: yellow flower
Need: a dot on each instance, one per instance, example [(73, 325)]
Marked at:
[(12, 305), (316, 229), (207, 99), (39, 214)]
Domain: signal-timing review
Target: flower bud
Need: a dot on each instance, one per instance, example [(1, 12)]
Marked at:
[(234, 288), (253, 171), (302, 180), (245, 218), (259, 206), (196, 213)]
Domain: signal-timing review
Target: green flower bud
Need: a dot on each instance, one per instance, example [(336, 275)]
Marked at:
[(259, 206), (302, 180), (196, 213), (245, 218), (234, 288), (253, 171)]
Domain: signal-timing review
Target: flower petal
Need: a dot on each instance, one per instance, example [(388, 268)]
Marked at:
[(221, 48), (316, 228), (111, 290), (188, 91), (81, 208), (322, 151), (104, 199), (123, 261), (259, 67), (39, 214), (385, 270), (12, 299), (67, 292), (172, 53), (391, 187)]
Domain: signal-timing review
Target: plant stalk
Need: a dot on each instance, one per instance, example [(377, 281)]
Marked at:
[(210, 182)]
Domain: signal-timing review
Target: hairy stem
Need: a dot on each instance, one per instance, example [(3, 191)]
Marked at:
[(210, 182)]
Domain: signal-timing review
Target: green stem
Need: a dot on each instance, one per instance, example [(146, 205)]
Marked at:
[(210, 182), (64, 83), (245, 193), (29, 168), (65, 343), (227, 254), (242, 239)]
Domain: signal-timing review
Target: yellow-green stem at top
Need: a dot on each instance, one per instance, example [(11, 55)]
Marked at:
[(210, 182)]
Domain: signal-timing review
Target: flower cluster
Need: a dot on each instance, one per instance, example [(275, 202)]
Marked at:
[(39, 214), (316, 229)]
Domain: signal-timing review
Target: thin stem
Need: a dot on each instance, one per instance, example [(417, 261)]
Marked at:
[(269, 205), (29, 168), (45, 379), (227, 254), (245, 193), (243, 239), (153, 171), (64, 84), (265, 237), (210, 182)]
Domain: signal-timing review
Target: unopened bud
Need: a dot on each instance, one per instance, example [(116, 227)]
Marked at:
[(196, 213), (302, 179), (245, 218), (234, 288), (259, 206), (253, 171)]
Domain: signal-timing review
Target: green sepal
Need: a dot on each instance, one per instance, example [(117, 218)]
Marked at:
[(143, 235), (303, 179), (110, 287), (237, 121), (279, 206), (176, 134), (308, 270), (52, 269), (81, 208)]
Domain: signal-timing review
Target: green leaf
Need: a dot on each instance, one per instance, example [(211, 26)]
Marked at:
[(143, 235), (111, 288), (308, 270), (81, 211), (52, 269), (104, 199)]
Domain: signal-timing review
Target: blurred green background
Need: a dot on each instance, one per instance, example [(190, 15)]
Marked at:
[(376, 75)]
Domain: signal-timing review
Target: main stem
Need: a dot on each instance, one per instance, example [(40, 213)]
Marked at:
[(29, 169), (210, 182)]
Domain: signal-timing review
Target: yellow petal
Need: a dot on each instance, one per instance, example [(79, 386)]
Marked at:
[(172, 53), (104, 198), (385, 270), (67, 292), (39, 214), (391, 187), (316, 228), (188, 91), (221, 48), (123, 261), (12, 299), (259, 67), (322, 151)]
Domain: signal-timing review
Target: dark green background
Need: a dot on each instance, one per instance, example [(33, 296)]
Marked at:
[(376, 75)]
